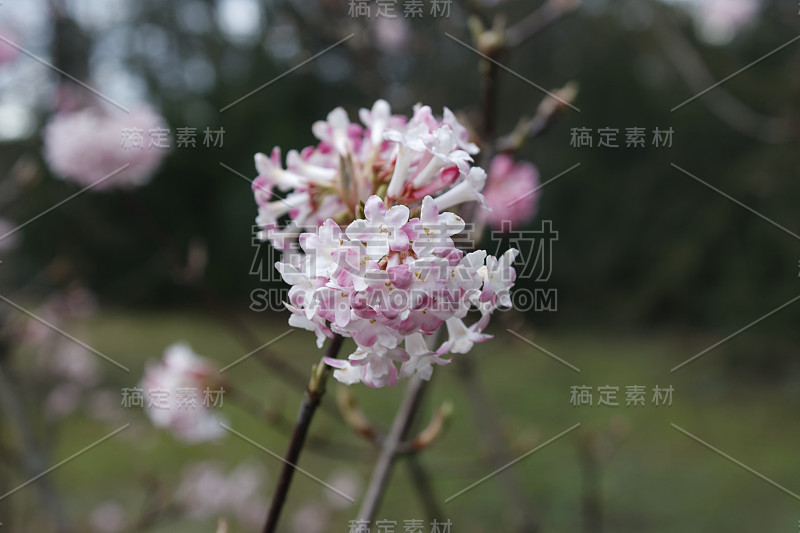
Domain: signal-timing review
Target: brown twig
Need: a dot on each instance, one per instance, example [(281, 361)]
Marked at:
[(383, 466), (491, 43), (528, 128), (536, 21), (275, 418), (313, 396)]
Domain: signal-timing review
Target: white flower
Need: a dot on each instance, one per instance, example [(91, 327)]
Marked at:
[(272, 174), (410, 144), (421, 360), (461, 338), (460, 132), (270, 212), (468, 190), (322, 247), (441, 145), (382, 230), (334, 130), (498, 278), (377, 120), (313, 173), (298, 320), (433, 230), (374, 368)]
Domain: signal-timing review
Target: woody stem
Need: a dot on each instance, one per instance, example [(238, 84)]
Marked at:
[(311, 400), (383, 467)]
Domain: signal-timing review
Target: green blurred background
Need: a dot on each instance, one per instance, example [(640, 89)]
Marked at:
[(651, 266)]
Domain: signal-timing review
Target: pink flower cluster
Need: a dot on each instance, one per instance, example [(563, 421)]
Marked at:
[(388, 280), (379, 263), (400, 159)]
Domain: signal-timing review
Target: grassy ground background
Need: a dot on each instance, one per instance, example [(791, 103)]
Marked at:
[(657, 479)]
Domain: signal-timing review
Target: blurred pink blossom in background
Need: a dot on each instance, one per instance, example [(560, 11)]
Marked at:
[(62, 401), (9, 241), (182, 370), (391, 34), (509, 191), (86, 146), (108, 517), (69, 362), (313, 517), (720, 20), (58, 309), (7, 52), (347, 481), (68, 367), (206, 490)]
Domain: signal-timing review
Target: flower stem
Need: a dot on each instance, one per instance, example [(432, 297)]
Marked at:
[(383, 467), (313, 396)]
